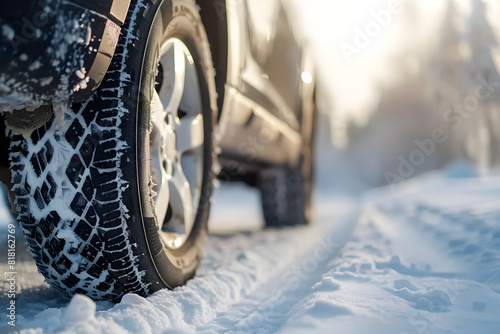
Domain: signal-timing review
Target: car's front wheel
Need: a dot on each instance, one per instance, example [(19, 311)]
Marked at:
[(115, 198)]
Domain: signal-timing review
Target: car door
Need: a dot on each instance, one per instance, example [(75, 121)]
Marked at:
[(262, 91), (274, 48)]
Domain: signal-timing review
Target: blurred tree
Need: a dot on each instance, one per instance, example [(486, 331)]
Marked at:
[(482, 135), (446, 85)]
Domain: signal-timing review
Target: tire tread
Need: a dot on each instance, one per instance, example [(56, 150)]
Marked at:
[(66, 176)]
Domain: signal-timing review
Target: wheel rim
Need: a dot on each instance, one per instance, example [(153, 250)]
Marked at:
[(176, 143)]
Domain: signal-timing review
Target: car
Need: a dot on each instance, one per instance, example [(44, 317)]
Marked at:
[(119, 116)]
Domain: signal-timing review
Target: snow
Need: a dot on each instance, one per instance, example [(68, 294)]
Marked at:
[(8, 32), (423, 258)]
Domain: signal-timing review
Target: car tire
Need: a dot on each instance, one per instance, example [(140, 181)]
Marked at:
[(114, 195), (286, 192)]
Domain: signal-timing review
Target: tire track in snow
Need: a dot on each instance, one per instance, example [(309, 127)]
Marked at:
[(269, 304)]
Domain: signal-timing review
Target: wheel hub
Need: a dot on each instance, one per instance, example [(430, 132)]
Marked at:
[(176, 144)]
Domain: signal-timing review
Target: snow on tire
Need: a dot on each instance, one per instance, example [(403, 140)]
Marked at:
[(72, 216), (84, 190)]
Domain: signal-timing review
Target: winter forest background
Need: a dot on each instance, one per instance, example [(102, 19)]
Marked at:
[(419, 72)]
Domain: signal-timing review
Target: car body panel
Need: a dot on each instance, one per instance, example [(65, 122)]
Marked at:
[(260, 123), (258, 60), (57, 51)]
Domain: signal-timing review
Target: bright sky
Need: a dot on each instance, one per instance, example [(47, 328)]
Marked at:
[(354, 63)]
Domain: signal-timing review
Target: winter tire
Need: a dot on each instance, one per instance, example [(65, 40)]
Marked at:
[(114, 197), (286, 192)]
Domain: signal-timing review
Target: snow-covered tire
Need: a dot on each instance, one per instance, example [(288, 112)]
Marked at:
[(84, 187), (286, 192)]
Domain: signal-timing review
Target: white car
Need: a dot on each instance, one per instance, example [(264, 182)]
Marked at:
[(120, 114)]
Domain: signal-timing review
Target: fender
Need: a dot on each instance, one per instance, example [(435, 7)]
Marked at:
[(55, 51)]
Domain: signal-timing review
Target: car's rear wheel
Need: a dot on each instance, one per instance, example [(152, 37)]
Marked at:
[(287, 191), (116, 199)]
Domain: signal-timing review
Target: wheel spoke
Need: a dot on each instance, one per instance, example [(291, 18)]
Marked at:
[(162, 199), (190, 133), (181, 200), (174, 78), (158, 114)]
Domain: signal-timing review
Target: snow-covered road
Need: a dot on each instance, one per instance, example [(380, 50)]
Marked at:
[(422, 258)]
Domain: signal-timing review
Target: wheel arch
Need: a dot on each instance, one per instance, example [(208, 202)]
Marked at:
[(214, 17)]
